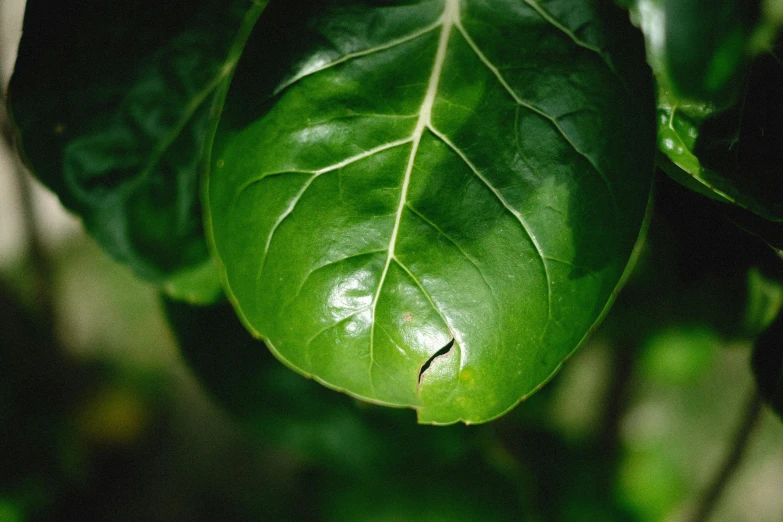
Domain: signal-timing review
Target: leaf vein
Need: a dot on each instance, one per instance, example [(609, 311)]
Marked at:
[(527, 105), (292, 204), (331, 263), (425, 293), (389, 335), (508, 208), (364, 155), (333, 325), (358, 54), (323, 170), (467, 256), (568, 263), (187, 114), (546, 15), (448, 19)]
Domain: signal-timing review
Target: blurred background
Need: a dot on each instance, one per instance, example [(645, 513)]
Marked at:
[(105, 414)]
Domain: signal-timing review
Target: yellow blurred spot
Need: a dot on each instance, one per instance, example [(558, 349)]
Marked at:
[(114, 417)]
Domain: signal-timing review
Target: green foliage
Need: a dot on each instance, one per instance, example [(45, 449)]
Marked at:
[(732, 153), (380, 449), (768, 351), (428, 204), (768, 365), (365, 225), (705, 49), (719, 80), (113, 117)]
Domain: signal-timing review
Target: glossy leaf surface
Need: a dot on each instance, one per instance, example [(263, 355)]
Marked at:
[(431, 204), (732, 155), (111, 101)]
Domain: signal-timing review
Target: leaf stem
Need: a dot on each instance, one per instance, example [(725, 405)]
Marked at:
[(731, 464)]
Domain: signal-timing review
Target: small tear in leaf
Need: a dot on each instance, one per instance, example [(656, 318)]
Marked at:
[(443, 351)]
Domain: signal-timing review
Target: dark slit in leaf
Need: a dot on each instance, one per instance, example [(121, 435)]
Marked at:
[(443, 351)]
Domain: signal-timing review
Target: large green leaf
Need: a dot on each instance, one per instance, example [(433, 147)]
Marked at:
[(431, 204), (111, 102)]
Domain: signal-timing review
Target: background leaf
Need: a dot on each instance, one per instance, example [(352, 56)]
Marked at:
[(731, 155), (768, 365), (706, 46), (111, 102), (697, 273), (700, 50), (719, 79), (430, 205), (771, 232)]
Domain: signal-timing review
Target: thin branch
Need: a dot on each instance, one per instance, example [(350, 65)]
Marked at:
[(617, 397), (42, 278), (733, 459), (5, 127), (39, 261)]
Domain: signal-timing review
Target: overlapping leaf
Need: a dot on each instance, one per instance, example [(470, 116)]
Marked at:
[(706, 46), (111, 102), (700, 49), (430, 204), (733, 154), (720, 117)]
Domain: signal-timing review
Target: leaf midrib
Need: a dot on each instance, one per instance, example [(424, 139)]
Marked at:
[(449, 18)]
